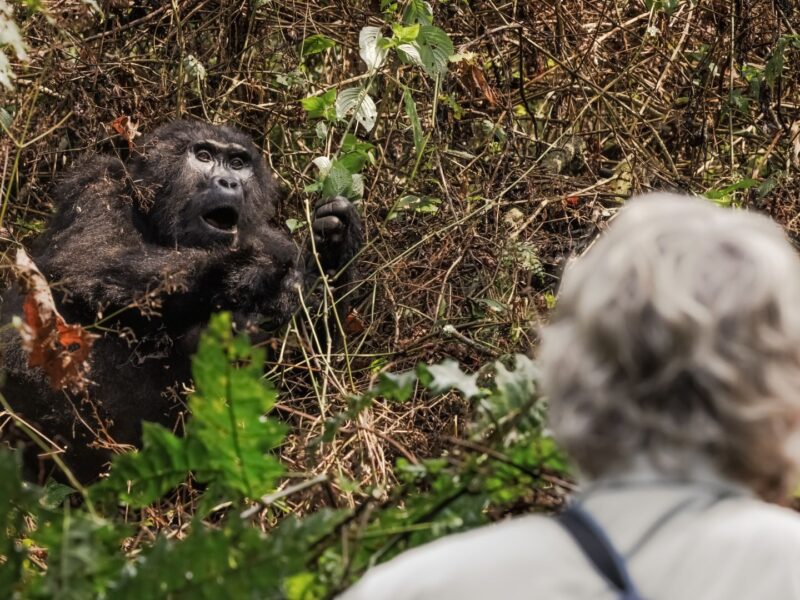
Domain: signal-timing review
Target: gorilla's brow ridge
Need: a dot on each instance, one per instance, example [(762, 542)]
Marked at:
[(229, 147)]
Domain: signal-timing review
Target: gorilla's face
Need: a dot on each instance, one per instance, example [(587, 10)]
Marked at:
[(222, 172), (203, 186)]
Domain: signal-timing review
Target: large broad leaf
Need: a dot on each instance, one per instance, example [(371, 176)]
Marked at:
[(370, 47), (431, 51), (338, 181), (418, 11), (324, 164), (228, 438), (436, 49), (357, 100), (447, 376)]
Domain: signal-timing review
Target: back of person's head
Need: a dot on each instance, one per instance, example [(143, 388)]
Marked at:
[(677, 338)]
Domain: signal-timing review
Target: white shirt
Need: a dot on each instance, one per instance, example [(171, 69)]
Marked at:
[(706, 547)]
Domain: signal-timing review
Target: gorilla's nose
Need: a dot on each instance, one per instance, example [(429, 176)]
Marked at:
[(227, 187)]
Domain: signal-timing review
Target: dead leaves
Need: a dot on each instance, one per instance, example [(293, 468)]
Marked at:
[(127, 128), (60, 349)]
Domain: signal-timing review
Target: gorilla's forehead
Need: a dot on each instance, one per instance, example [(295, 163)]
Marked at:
[(228, 147)]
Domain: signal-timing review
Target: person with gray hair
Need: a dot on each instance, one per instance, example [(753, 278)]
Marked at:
[(672, 371)]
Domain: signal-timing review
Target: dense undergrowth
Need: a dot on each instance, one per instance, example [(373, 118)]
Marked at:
[(486, 143), (228, 448)]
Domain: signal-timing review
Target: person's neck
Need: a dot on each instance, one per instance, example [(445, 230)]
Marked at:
[(643, 472)]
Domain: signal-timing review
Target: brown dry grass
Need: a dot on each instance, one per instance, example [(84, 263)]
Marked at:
[(644, 98)]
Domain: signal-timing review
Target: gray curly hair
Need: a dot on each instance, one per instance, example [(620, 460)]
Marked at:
[(677, 336)]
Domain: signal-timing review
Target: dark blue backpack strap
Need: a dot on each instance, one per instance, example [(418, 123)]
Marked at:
[(594, 543)]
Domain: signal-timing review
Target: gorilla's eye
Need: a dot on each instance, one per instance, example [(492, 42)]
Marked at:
[(237, 163), (203, 156)]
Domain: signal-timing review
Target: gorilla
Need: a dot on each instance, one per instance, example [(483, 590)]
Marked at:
[(147, 249)]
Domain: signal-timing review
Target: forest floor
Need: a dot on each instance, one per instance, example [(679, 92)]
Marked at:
[(550, 116)]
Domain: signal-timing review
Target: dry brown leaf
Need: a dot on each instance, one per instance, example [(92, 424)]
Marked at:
[(60, 349), (353, 323), (127, 128), (479, 79)]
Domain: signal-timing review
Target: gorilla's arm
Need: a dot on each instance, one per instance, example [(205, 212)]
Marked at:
[(338, 237)]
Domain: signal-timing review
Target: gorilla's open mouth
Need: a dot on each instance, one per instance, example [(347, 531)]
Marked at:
[(223, 218)]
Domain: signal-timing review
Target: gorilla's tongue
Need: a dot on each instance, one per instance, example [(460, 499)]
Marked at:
[(223, 218)]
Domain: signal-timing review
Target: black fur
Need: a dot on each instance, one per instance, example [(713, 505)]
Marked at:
[(138, 233)]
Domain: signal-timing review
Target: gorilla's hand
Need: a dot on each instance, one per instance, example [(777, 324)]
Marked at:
[(337, 233)]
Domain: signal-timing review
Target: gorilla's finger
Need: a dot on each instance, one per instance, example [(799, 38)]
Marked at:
[(339, 207), (323, 201), (327, 227), (320, 240)]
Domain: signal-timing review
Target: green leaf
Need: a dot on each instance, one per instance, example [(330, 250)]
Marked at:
[(370, 47), (436, 50), (5, 119), (338, 182), (293, 225), (55, 493), (447, 376), (418, 11), (668, 7), (351, 143), (228, 409), (744, 184), (314, 44), (774, 66), (416, 126), (141, 477), (396, 386), (194, 69), (228, 438), (359, 101), (417, 204), (321, 106), (405, 34)]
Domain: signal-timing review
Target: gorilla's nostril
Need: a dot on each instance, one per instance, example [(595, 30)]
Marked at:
[(226, 185)]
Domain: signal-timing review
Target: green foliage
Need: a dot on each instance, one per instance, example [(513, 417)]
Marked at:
[(11, 38), (415, 204), (418, 11), (116, 539), (322, 106), (415, 40), (413, 116), (774, 66), (314, 44), (83, 555), (228, 439), (227, 447), (666, 6), (237, 561), (16, 500)]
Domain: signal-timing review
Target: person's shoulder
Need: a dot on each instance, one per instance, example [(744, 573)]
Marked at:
[(473, 553), (759, 521)]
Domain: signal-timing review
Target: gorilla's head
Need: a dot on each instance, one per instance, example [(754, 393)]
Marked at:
[(201, 185), (205, 186)]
